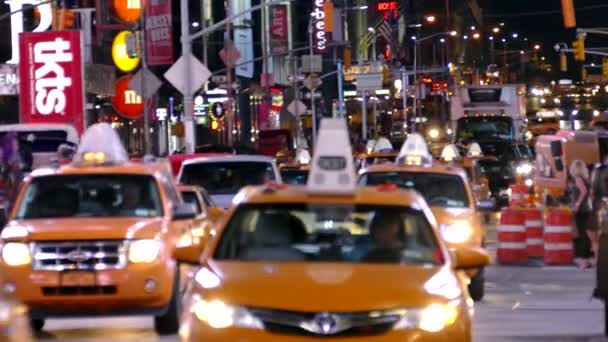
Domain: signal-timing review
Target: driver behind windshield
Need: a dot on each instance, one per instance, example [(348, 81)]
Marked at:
[(388, 235)]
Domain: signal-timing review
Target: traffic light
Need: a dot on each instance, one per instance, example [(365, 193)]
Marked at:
[(348, 59), (568, 13), (563, 63), (579, 49), (63, 18), (328, 9), (605, 68)]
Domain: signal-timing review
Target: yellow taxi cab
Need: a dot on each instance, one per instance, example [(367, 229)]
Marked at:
[(472, 164), (328, 260), (447, 191), (96, 237)]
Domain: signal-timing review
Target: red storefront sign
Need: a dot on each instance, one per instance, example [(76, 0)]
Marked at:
[(50, 73), (278, 30), (159, 40)]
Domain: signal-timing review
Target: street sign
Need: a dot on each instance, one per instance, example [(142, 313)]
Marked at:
[(312, 63), (369, 82), (219, 79), (296, 107), (145, 82), (298, 78), (199, 74), (312, 82), (230, 55)]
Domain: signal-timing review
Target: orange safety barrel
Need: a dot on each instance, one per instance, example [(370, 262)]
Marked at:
[(512, 237), (558, 248), (534, 232), (520, 195)]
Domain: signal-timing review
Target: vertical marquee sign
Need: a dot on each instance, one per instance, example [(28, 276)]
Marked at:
[(159, 35), (318, 26), (50, 74)]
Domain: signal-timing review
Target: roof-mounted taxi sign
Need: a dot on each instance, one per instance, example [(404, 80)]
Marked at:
[(474, 151), (332, 170), (100, 145), (302, 156), (380, 145), (415, 152), (450, 154)]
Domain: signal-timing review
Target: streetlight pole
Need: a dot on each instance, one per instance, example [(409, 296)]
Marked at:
[(189, 132)]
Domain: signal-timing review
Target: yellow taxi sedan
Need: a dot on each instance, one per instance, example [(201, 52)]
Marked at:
[(448, 193), (327, 260)]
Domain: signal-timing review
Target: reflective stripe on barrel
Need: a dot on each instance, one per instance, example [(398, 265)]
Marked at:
[(511, 237), (519, 195), (534, 232), (558, 249)]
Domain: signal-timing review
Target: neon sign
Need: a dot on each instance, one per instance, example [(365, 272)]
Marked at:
[(16, 6), (388, 9), (318, 16)]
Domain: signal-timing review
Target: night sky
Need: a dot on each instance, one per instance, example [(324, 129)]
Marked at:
[(541, 21)]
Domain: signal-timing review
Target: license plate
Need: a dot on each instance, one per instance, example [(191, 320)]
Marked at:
[(78, 279)]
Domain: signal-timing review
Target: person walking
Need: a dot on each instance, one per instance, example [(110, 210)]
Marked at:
[(578, 191), (11, 166)]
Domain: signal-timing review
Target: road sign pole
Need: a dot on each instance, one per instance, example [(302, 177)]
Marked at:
[(340, 90), (364, 116), (144, 66), (404, 82), (314, 118), (188, 102)]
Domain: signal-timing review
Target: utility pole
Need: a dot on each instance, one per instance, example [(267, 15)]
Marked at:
[(144, 67), (188, 101), (230, 111)]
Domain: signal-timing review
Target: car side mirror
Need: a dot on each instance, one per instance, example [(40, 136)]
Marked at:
[(470, 258), (184, 211), (215, 213), (189, 254), (488, 204)]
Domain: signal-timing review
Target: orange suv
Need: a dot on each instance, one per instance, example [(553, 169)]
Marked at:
[(96, 237)]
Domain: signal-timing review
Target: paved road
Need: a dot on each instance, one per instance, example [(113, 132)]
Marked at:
[(531, 303)]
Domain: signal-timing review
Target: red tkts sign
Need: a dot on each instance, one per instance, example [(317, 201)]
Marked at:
[(51, 74)]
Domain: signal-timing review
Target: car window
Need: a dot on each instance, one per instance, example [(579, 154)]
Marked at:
[(91, 196), (328, 233), (297, 177), (224, 178), (439, 190), (190, 197)]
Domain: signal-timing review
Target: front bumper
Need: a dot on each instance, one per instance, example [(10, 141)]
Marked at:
[(196, 331), (105, 292)]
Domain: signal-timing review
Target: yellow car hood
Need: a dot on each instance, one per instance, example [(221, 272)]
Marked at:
[(317, 287)]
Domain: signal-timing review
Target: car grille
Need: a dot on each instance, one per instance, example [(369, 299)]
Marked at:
[(347, 324), (79, 255), (78, 290)]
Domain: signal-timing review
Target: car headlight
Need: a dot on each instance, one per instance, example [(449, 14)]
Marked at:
[(144, 251), (457, 232), (16, 254), (220, 315), (524, 169), (433, 318), (529, 182), (433, 133)]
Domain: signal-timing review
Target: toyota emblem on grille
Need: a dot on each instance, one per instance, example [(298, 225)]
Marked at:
[(79, 256), (326, 323)]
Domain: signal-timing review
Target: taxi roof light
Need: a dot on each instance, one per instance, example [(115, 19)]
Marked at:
[(100, 144), (474, 150), (450, 153), (415, 151), (332, 170)]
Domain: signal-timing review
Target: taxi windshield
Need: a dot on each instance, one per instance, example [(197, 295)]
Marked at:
[(439, 190), (224, 178), (329, 233), (296, 177), (91, 196)]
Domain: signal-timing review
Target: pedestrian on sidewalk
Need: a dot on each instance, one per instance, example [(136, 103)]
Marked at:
[(578, 191), (599, 198)]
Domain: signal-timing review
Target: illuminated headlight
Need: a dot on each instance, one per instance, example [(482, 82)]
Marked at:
[(220, 315), (433, 318), (529, 135), (529, 182), (16, 254), (433, 133), (144, 251), (524, 169), (456, 233)]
